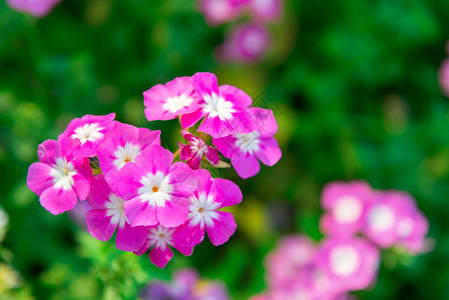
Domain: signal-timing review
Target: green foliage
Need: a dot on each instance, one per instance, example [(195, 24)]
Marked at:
[(353, 85)]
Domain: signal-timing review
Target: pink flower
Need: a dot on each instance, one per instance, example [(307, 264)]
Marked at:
[(217, 12), (346, 205), (108, 214), (394, 219), (204, 215), (156, 191), (37, 8), (223, 107), (246, 43), (161, 237), (166, 102), (350, 263), (193, 153), (444, 77), (266, 10), (59, 179), (122, 144), (244, 149), (288, 263), (90, 130)]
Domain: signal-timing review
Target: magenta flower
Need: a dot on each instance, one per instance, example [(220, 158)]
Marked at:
[(244, 150), (204, 215), (166, 102), (350, 263), (108, 214), (443, 76), (266, 10), (122, 144), (59, 179), (223, 108), (156, 191), (193, 153), (161, 238), (217, 12), (90, 130), (246, 43), (37, 8), (288, 263), (346, 205)]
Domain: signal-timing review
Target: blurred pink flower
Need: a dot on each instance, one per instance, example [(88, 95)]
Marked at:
[(266, 10), (217, 12), (37, 8), (444, 77)]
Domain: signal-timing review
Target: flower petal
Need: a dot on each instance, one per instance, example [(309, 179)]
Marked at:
[(58, 201), (38, 178), (269, 153), (224, 226), (160, 257), (171, 215), (246, 165), (140, 214), (99, 224), (131, 238)]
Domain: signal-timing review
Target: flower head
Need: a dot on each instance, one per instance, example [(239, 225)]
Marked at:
[(193, 153), (266, 10), (217, 12)]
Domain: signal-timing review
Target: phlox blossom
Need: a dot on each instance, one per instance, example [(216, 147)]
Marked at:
[(90, 130), (156, 190), (204, 215), (244, 149), (59, 179), (217, 12), (37, 8), (166, 102), (223, 108), (266, 10), (108, 214), (193, 153)]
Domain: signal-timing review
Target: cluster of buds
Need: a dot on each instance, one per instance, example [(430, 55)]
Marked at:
[(135, 186), (246, 42), (343, 261)]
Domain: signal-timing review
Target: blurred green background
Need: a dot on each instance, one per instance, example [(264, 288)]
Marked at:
[(354, 88)]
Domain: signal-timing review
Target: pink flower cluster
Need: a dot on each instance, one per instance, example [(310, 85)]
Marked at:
[(134, 186), (343, 261), (37, 8), (247, 42)]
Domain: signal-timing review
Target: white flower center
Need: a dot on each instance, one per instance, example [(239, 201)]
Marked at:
[(202, 210), (155, 188), (381, 218), (62, 174), (218, 107), (125, 154), (161, 236), (198, 147), (344, 260), (115, 208), (176, 103), (405, 228), (347, 209), (248, 142), (88, 132)]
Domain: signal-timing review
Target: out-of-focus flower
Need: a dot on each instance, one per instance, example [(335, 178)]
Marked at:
[(244, 149), (79, 212), (4, 221), (186, 285), (217, 12), (246, 44), (193, 153), (346, 205), (37, 8), (266, 10), (444, 76), (9, 278)]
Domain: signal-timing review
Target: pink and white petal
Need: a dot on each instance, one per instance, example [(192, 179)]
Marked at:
[(155, 113), (217, 128), (186, 152), (106, 155), (147, 245), (224, 226), (99, 224), (205, 84), (38, 178), (140, 214), (153, 159), (125, 182), (228, 193), (82, 180), (131, 238), (194, 162), (188, 136), (240, 100), (179, 86), (171, 215), (265, 121), (58, 201), (160, 257), (48, 151), (186, 234), (212, 155), (269, 153), (188, 120), (246, 165), (155, 96), (226, 145), (99, 193)]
